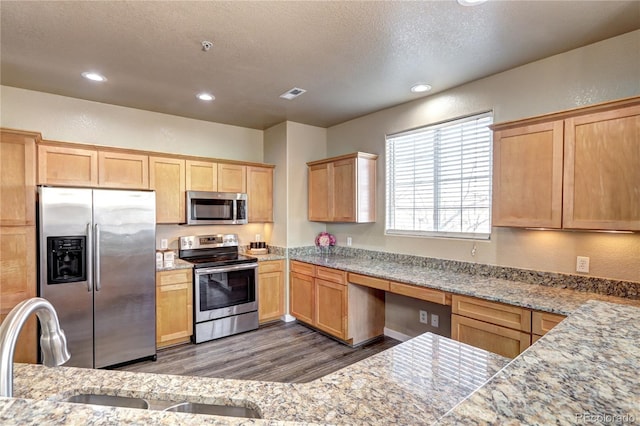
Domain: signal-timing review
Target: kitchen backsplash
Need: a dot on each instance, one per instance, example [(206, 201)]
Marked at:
[(552, 279)]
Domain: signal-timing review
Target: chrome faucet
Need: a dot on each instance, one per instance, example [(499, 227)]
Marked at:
[(52, 341)]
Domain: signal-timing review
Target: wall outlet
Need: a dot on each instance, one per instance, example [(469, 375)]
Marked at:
[(424, 317), (582, 264), (164, 244), (349, 241), (435, 321), (258, 236)]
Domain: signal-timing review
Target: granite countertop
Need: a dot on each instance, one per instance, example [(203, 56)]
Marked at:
[(582, 371), (415, 382), (585, 370), (533, 296)]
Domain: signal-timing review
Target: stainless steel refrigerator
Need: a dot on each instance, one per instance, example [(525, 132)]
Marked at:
[(97, 268)]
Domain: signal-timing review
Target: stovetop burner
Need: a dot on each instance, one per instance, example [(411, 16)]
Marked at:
[(221, 260), (212, 250)]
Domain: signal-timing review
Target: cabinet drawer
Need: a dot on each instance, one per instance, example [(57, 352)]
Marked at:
[(331, 275), (270, 266), (368, 281), (422, 293), (173, 277), (493, 312), (490, 337), (542, 322), (302, 268)]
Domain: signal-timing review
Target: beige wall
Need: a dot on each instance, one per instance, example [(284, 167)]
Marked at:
[(74, 120), (275, 152), (595, 73), (304, 143)]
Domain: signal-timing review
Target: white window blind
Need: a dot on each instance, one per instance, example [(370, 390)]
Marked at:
[(439, 179)]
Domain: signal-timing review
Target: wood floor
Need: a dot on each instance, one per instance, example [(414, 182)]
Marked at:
[(276, 352)]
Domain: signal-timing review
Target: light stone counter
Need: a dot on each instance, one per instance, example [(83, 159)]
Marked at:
[(585, 370), (539, 297), (415, 382)]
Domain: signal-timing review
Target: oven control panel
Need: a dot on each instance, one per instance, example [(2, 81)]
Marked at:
[(195, 242)]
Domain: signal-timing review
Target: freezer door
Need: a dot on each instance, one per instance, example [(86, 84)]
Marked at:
[(66, 212), (124, 270)]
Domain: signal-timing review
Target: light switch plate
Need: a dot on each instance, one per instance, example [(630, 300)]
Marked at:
[(582, 264)]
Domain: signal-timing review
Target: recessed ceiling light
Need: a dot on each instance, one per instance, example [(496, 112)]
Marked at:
[(205, 96), (470, 2), (94, 76), (421, 88)]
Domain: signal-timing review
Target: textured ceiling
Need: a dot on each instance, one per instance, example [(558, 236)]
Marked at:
[(352, 57)]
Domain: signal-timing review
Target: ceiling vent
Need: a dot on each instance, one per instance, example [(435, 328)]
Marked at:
[(293, 93)]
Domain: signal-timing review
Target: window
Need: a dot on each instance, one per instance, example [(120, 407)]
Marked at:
[(439, 179)]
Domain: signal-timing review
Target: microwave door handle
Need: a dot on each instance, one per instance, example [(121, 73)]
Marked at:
[(96, 258), (226, 269), (235, 211), (89, 258)]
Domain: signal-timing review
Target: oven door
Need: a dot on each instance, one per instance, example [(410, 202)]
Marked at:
[(225, 291)]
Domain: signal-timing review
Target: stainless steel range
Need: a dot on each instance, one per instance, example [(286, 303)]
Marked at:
[(225, 286)]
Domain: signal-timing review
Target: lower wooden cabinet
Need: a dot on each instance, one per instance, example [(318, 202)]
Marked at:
[(490, 337), (322, 298), (174, 307), (270, 290), (492, 326), (542, 322)]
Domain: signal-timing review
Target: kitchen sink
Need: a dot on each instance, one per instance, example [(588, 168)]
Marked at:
[(212, 409), (110, 400)]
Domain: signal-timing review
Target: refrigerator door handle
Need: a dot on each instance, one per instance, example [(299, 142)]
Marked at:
[(89, 258), (96, 258)]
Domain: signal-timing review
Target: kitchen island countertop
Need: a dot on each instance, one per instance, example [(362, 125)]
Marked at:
[(585, 366)]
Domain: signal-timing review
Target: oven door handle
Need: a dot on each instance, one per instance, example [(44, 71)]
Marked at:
[(221, 269)]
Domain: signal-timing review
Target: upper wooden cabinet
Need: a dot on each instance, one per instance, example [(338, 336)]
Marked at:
[(167, 178), (575, 170), (343, 189), (63, 165), (527, 176), (232, 178), (18, 177), (123, 170), (602, 170), (260, 193), (202, 176)]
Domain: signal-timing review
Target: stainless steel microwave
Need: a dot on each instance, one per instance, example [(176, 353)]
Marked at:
[(216, 208)]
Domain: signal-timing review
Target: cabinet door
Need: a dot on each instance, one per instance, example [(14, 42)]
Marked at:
[(270, 295), (232, 178), (260, 193), (167, 177), (18, 282), (527, 176), (602, 172), (18, 179), (174, 309), (67, 166), (319, 199), (301, 297), (331, 308), (542, 322), (123, 170), (490, 337), (202, 176), (343, 190)]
